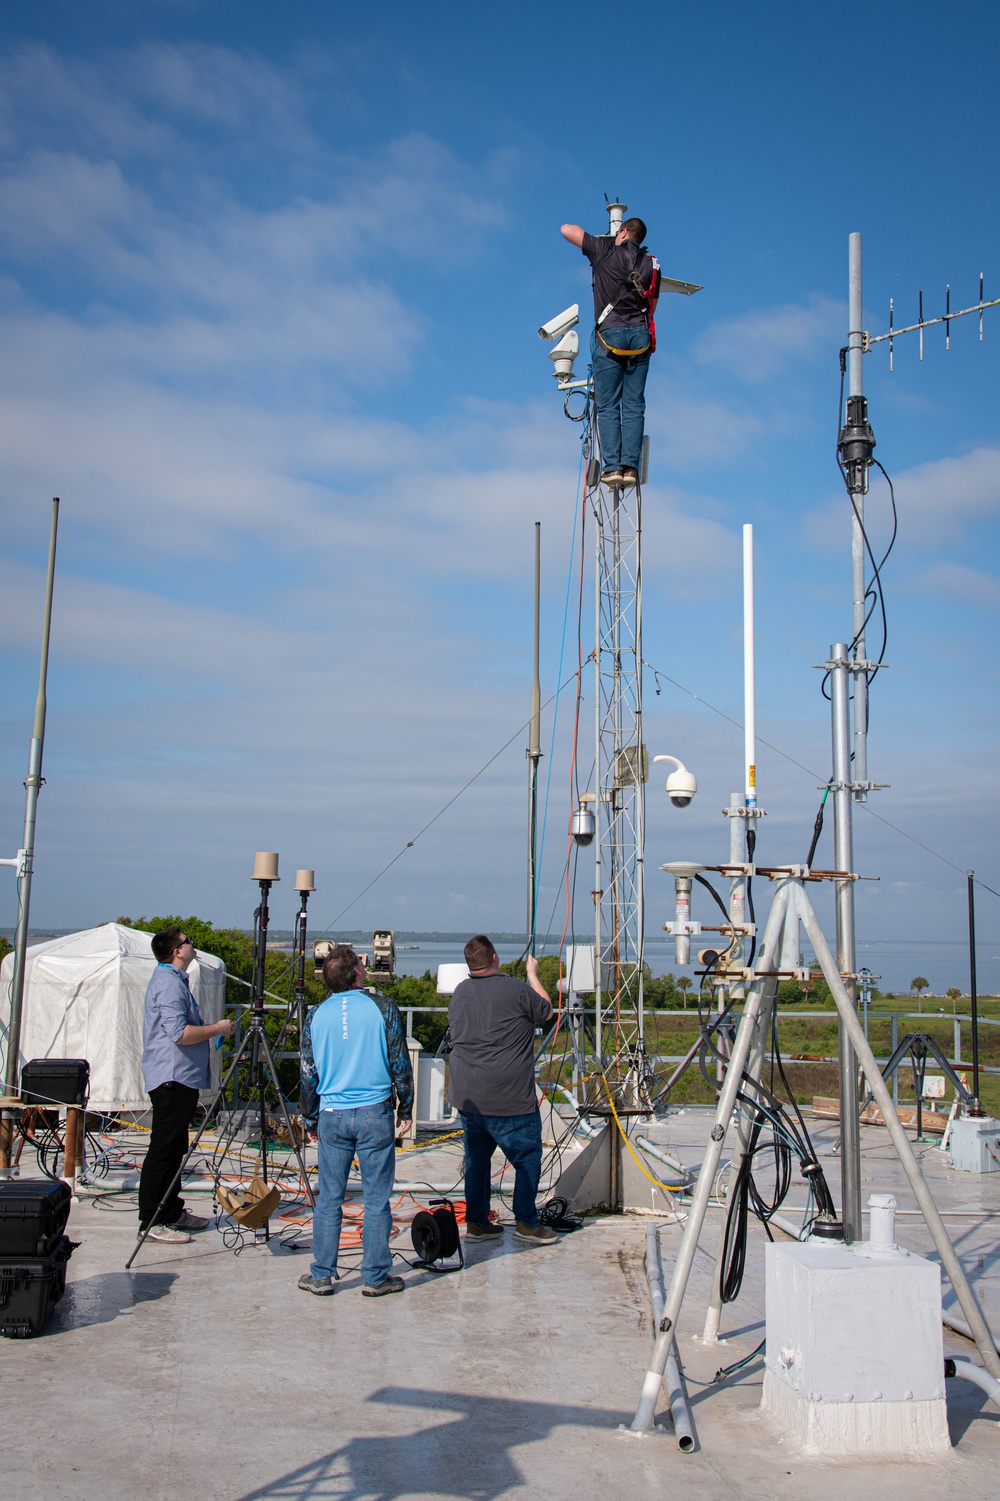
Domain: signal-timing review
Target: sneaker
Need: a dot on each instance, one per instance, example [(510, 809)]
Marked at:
[(535, 1235), (170, 1234), (613, 477), (631, 476), (490, 1231), (321, 1286), (379, 1289), (191, 1222)]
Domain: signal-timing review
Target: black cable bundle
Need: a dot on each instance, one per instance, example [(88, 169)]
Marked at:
[(745, 1194), (789, 1135)]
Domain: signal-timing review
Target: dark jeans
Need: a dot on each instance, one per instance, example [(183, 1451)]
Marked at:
[(620, 393), (519, 1137), (174, 1106)]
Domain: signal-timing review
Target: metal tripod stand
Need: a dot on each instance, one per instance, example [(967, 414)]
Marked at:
[(262, 1072), (791, 905), (917, 1046)]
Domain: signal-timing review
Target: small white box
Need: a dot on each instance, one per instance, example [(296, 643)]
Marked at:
[(431, 1107), (450, 976), (974, 1144), (580, 967)]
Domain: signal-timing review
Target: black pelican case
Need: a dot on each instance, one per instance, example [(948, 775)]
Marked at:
[(33, 1215), (55, 1081), (30, 1287)]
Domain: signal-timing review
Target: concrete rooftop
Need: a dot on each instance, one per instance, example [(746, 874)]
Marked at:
[(204, 1374)]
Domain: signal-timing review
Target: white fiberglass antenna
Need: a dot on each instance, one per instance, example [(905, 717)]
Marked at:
[(749, 689)]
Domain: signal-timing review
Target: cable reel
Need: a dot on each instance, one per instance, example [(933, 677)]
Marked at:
[(435, 1237)]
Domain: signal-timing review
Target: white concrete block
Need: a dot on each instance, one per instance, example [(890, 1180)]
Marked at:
[(875, 1430), (855, 1361)]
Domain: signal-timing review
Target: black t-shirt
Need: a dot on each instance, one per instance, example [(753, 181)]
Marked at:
[(492, 1020), (612, 264)]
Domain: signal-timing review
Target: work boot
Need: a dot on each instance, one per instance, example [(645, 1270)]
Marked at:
[(170, 1234), (535, 1235), (321, 1286), (614, 478), (490, 1231), (379, 1289)]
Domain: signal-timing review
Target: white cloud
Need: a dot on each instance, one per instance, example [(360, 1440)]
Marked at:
[(956, 581), (758, 346), (142, 102), (936, 502), (690, 431)]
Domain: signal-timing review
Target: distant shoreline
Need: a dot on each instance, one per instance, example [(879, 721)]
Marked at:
[(407, 935)]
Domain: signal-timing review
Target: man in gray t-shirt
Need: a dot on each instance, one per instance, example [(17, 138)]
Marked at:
[(492, 1020)]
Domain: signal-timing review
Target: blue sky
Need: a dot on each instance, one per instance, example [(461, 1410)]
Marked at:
[(269, 281)]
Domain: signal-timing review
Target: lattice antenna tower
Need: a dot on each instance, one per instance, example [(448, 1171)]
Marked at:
[(621, 762)]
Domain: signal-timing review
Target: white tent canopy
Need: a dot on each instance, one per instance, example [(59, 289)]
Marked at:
[(83, 998)]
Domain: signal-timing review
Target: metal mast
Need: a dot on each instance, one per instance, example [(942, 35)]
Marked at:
[(855, 446), (24, 862), (534, 754)]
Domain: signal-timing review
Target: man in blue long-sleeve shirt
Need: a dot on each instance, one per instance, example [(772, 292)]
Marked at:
[(354, 1058), (175, 1065)]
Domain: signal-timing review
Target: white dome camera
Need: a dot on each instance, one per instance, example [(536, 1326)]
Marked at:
[(563, 355), (560, 324), (681, 784)]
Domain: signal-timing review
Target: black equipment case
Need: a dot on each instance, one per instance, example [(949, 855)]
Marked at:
[(30, 1287), (55, 1081), (33, 1216)]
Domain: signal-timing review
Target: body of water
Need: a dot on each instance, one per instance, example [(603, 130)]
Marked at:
[(897, 962)]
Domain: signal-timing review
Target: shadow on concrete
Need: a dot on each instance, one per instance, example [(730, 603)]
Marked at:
[(107, 1296), (728, 1334), (966, 1403), (465, 1457)]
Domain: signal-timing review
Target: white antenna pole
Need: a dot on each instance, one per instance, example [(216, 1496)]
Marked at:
[(749, 693), (859, 486)]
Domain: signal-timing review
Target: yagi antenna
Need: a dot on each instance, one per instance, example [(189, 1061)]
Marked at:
[(946, 318)]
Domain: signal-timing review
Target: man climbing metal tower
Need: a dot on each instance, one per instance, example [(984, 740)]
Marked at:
[(626, 287)]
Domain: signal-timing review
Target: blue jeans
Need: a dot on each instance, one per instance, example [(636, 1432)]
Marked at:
[(620, 393), (368, 1133), (519, 1137)]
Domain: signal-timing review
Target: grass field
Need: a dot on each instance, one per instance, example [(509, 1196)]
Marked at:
[(802, 1030)]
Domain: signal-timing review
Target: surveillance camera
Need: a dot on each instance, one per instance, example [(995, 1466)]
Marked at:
[(681, 788), (584, 824), (561, 324), (681, 785), (563, 355)]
